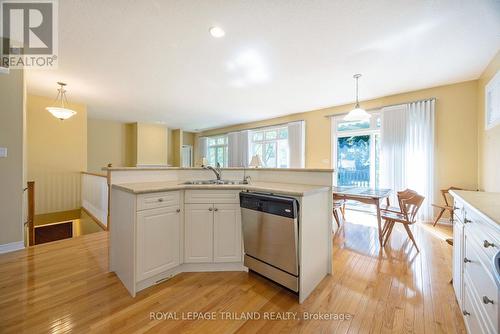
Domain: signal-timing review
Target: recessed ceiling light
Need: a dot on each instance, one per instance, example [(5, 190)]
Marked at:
[(217, 32)]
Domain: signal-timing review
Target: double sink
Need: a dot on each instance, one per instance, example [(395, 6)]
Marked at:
[(216, 182)]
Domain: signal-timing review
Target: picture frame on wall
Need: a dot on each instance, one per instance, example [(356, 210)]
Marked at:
[(492, 102)]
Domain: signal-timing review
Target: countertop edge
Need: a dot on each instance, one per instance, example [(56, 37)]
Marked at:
[(320, 170), (248, 187)]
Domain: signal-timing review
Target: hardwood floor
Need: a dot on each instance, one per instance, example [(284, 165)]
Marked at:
[(65, 287)]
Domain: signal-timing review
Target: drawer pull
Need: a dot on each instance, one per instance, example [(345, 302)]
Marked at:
[(467, 221), (487, 244), (466, 260), (160, 199), (209, 209), (465, 313), (178, 210), (216, 209), (486, 300)]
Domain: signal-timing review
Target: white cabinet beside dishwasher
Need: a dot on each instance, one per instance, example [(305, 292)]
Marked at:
[(212, 230)]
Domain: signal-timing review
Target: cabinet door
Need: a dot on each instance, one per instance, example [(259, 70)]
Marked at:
[(458, 260), (227, 233), (199, 220), (158, 235)]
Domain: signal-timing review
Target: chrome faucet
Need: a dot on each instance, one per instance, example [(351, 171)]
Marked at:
[(217, 170)]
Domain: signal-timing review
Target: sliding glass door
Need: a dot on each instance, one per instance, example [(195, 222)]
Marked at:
[(356, 150)]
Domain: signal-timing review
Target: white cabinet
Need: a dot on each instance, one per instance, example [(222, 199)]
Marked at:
[(458, 241), (476, 239), (227, 233), (198, 222), (158, 247), (212, 230)]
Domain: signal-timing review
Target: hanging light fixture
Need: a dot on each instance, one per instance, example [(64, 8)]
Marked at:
[(58, 108), (358, 113)]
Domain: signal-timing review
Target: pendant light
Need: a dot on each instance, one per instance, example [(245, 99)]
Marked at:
[(58, 108), (358, 113)]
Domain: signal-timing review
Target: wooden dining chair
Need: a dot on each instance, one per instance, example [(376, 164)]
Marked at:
[(407, 216), (407, 193), (338, 205), (448, 204)]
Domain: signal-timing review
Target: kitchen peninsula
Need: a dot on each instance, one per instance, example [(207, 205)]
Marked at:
[(164, 221)]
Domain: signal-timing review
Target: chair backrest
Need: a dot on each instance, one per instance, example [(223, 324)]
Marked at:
[(410, 207), (446, 194), (405, 194)]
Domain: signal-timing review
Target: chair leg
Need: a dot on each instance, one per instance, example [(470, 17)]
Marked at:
[(342, 210), (385, 228), (336, 216), (407, 228), (389, 231), (438, 217)]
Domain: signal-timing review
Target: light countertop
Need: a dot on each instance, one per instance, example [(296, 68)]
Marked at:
[(487, 204), (269, 187)]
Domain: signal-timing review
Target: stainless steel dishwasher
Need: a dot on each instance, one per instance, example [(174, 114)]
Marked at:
[(271, 236)]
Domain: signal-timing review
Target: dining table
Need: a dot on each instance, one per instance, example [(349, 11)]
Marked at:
[(366, 195)]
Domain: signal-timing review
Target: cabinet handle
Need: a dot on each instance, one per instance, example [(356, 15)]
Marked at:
[(467, 221), (209, 209), (487, 244), (466, 260), (160, 199), (486, 300), (178, 210), (216, 209), (465, 313)]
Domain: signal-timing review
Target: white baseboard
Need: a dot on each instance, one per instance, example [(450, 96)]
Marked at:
[(13, 246)]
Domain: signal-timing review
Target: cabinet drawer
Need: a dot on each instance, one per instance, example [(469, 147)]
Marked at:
[(481, 284), (212, 196), (486, 236), (472, 317), (158, 200)]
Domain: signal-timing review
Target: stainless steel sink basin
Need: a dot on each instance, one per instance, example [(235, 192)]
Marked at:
[(221, 182)]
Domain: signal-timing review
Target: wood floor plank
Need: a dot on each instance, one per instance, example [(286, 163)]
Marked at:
[(64, 286)]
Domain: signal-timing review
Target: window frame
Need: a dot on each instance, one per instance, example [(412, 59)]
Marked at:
[(224, 147), (265, 142)]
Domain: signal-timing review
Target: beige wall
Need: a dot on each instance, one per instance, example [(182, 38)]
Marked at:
[(152, 144), (57, 153), (456, 131), (488, 141), (176, 147), (12, 118), (188, 138), (108, 142)]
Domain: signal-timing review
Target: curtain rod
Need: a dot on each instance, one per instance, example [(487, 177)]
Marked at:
[(252, 129), (386, 106)]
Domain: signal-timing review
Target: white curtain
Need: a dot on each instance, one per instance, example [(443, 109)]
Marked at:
[(202, 150), (296, 144), (393, 148), (407, 151), (238, 148), (420, 153)]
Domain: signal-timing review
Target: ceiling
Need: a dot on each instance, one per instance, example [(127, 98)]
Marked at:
[(155, 61)]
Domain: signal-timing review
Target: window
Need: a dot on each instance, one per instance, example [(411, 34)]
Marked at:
[(217, 151), (356, 150), (272, 146)]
